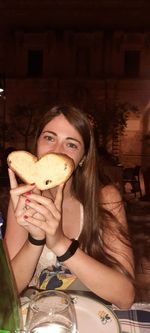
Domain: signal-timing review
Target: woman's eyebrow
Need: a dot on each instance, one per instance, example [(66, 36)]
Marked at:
[(70, 138), (51, 132)]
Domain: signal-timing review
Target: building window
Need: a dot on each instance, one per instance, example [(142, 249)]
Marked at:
[(35, 63), (131, 63)]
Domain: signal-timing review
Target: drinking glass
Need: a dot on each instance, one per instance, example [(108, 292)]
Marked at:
[(51, 311)]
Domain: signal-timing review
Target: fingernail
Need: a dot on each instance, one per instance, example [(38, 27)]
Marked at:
[(25, 217), (27, 201), (28, 193)]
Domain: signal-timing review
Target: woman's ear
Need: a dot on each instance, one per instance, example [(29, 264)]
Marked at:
[(82, 161)]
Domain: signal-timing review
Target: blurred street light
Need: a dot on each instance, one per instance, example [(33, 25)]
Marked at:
[(1, 89)]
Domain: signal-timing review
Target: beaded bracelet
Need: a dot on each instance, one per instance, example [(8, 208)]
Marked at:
[(70, 251), (37, 242)]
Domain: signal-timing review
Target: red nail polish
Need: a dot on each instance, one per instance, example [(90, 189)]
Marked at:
[(28, 193), (27, 201), (25, 217)]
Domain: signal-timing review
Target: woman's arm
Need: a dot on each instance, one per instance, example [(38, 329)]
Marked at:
[(24, 264), (23, 254), (108, 283), (15, 235), (17, 227)]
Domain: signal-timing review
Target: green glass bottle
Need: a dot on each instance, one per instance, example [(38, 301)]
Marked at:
[(10, 319)]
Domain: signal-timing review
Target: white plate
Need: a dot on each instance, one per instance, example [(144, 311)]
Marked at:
[(94, 316)]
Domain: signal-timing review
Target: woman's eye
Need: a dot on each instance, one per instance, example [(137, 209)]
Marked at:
[(72, 145), (49, 138)]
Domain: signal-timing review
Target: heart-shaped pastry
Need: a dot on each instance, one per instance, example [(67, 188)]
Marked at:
[(49, 171)]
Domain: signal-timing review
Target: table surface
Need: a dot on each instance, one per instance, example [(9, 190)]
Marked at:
[(134, 320)]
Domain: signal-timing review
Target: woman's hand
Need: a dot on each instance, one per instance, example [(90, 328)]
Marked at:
[(21, 208), (52, 214)]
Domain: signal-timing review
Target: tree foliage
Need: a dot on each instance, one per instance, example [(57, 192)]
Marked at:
[(113, 117), (23, 120)]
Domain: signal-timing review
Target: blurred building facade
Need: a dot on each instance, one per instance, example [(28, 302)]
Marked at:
[(81, 51)]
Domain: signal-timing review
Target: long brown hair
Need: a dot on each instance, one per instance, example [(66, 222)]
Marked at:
[(86, 188)]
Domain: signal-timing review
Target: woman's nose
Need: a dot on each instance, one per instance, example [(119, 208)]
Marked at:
[(58, 148)]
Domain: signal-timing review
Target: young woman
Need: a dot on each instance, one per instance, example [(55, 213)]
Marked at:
[(43, 227)]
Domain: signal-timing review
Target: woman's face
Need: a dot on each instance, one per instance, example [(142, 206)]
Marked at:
[(59, 136)]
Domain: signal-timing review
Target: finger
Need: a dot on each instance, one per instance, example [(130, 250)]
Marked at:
[(37, 191), (40, 224), (35, 222), (47, 212), (44, 202), (38, 208), (37, 216), (12, 179), (38, 198), (22, 189), (59, 197), (22, 207)]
